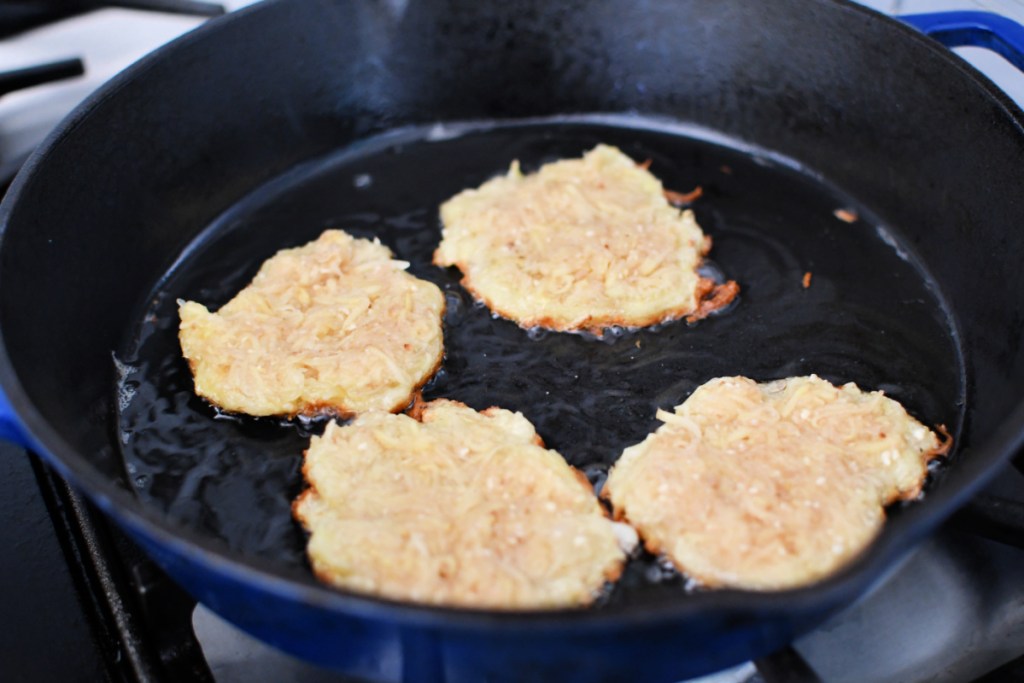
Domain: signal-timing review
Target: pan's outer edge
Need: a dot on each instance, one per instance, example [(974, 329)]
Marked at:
[(146, 524)]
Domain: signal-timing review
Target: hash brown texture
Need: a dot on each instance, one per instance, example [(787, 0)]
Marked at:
[(461, 508), (582, 244), (770, 486), (335, 326)]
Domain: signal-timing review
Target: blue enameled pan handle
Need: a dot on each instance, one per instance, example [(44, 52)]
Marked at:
[(975, 29), (10, 427)]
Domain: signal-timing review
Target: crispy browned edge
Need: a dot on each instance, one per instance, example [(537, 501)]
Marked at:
[(329, 410), (680, 199), (945, 445), (710, 297), (677, 199), (654, 547), (846, 215)]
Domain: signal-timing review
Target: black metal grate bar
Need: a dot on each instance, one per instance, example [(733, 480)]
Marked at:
[(142, 616), (19, 79), (23, 15)]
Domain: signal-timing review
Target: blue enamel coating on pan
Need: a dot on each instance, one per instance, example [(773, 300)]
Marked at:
[(10, 427), (978, 29)]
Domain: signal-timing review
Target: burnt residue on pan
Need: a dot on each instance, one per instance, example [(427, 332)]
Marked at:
[(872, 316)]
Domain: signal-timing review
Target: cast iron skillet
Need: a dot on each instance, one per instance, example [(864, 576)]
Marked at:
[(262, 129)]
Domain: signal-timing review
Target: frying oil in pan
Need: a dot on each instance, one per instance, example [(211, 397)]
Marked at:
[(869, 316)]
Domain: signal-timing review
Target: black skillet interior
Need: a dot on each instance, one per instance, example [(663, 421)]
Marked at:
[(870, 315), (923, 148)]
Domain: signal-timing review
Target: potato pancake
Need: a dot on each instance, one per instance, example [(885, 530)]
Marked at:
[(582, 244), (332, 327), (770, 486), (459, 508)]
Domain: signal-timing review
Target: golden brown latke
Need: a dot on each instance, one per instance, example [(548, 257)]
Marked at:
[(770, 486), (582, 244), (460, 508), (336, 326)]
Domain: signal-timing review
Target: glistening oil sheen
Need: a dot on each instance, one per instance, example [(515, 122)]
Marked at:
[(871, 315)]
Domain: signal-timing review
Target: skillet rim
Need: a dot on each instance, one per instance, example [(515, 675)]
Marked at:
[(879, 559)]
